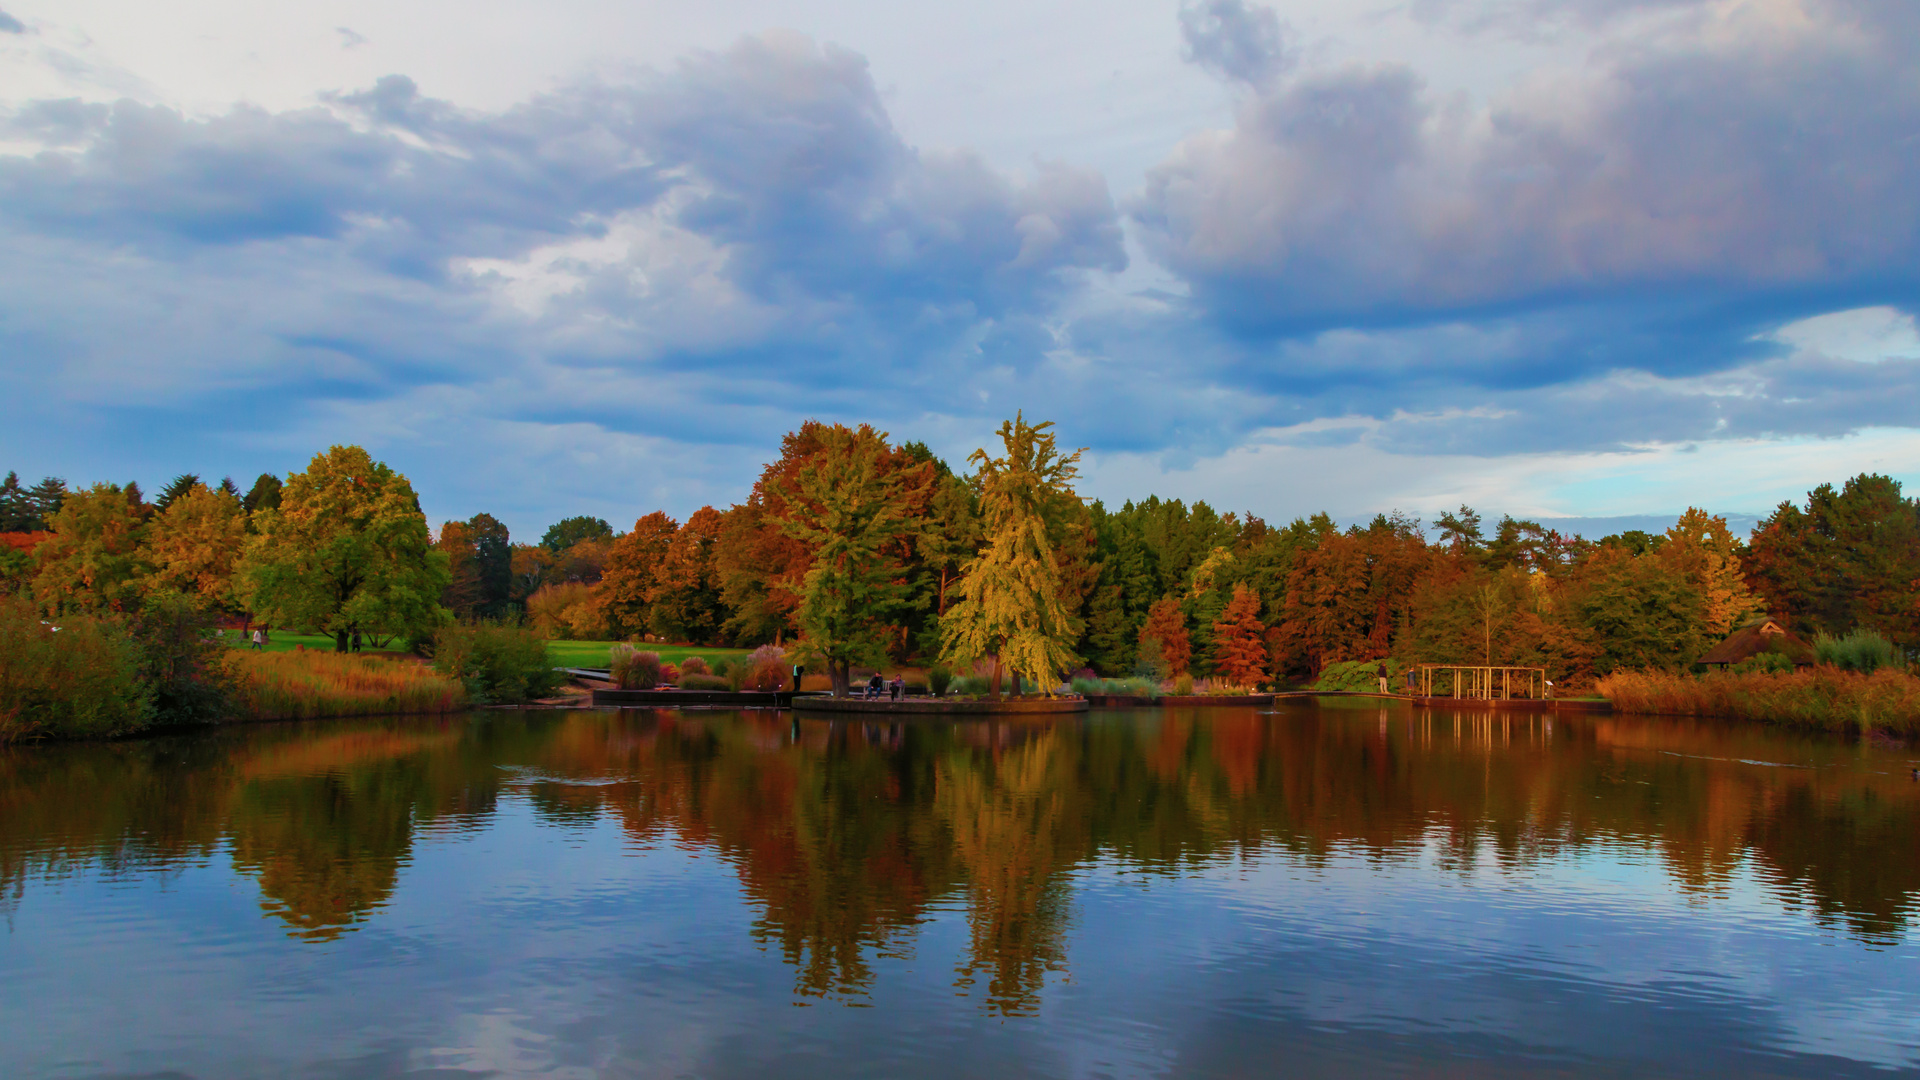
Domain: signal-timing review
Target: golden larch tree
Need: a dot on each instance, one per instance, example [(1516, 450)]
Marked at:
[(1010, 604)]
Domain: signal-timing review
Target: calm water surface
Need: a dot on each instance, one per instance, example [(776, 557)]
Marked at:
[(1300, 891)]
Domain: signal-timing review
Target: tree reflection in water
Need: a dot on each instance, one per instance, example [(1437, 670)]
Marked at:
[(847, 837)]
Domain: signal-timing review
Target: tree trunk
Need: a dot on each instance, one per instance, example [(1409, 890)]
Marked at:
[(340, 641), (837, 671), (993, 688)]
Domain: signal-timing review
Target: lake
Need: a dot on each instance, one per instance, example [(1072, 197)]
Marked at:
[(1333, 889)]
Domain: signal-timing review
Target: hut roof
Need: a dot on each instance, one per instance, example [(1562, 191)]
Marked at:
[(1761, 635)]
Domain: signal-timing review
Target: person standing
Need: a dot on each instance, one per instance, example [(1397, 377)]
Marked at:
[(1380, 670), (259, 638)]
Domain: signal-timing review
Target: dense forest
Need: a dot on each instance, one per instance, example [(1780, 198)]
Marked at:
[(1156, 587)]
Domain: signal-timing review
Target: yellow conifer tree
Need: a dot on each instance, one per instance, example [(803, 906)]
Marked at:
[(1010, 607)]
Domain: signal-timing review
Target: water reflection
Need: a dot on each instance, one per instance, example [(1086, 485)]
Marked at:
[(847, 838)]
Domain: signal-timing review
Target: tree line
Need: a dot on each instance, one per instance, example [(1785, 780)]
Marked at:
[(852, 550)]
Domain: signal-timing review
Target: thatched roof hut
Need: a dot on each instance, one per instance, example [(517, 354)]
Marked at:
[(1761, 635)]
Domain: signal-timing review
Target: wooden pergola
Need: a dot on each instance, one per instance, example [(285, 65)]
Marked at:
[(1479, 681)]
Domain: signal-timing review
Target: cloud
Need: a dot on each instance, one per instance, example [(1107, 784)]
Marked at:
[(706, 254), (348, 38), (1236, 40), (11, 25), (1761, 161)]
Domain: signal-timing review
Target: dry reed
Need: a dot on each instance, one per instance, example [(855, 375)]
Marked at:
[(1822, 697), (304, 685)]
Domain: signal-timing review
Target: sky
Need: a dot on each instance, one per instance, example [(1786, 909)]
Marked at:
[(1599, 259)]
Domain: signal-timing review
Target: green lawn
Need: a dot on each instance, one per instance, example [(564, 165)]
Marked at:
[(587, 654), (593, 654)]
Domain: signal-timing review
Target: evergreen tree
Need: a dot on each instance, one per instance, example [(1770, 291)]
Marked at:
[(175, 488), (1011, 606), (44, 500), (493, 563), (264, 495), (15, 514)]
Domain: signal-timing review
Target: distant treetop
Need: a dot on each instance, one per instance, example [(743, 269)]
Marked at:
[(565, 534)]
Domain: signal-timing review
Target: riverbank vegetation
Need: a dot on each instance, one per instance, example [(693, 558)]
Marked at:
[(1819, 697), (305, 685), (853, 551)]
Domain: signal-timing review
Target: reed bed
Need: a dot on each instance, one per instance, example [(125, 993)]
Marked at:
[(1821, 697), (304, 685)]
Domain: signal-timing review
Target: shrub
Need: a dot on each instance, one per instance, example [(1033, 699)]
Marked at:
[(1822, 697), (694, 665), (1863, 651), (766, 668), (1218, 687), (1134, 686), (496, 663), (698, 681), (939, 679), (632, 669), (1356, 674), (1772, 663), (83, 679), (181, 656), (306, 684), (1183, 686), (968, 685), (669, 674)]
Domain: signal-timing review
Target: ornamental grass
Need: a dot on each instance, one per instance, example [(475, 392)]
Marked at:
[(304, 685), (1821, 697)]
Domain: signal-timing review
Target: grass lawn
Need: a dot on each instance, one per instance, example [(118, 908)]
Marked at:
[(587, 654), (593, 654)]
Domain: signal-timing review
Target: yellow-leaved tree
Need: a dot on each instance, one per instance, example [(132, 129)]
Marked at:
[(1702, 547), (347, 551), (194, 544), (1010, 606)]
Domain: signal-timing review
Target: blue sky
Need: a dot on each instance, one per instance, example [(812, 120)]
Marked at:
[(1596, 257)]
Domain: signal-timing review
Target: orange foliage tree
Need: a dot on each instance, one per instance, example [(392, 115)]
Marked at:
[(1239, 639), (632, 569), (1166, 629)]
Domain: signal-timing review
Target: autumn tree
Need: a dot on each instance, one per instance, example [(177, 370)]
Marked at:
[(1239, 639), (633, 563), (856, 585), (1701, 547), (1011, 606), (94, 561), (195, 543), (684, 602), (1164, 638), (346, 551)]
